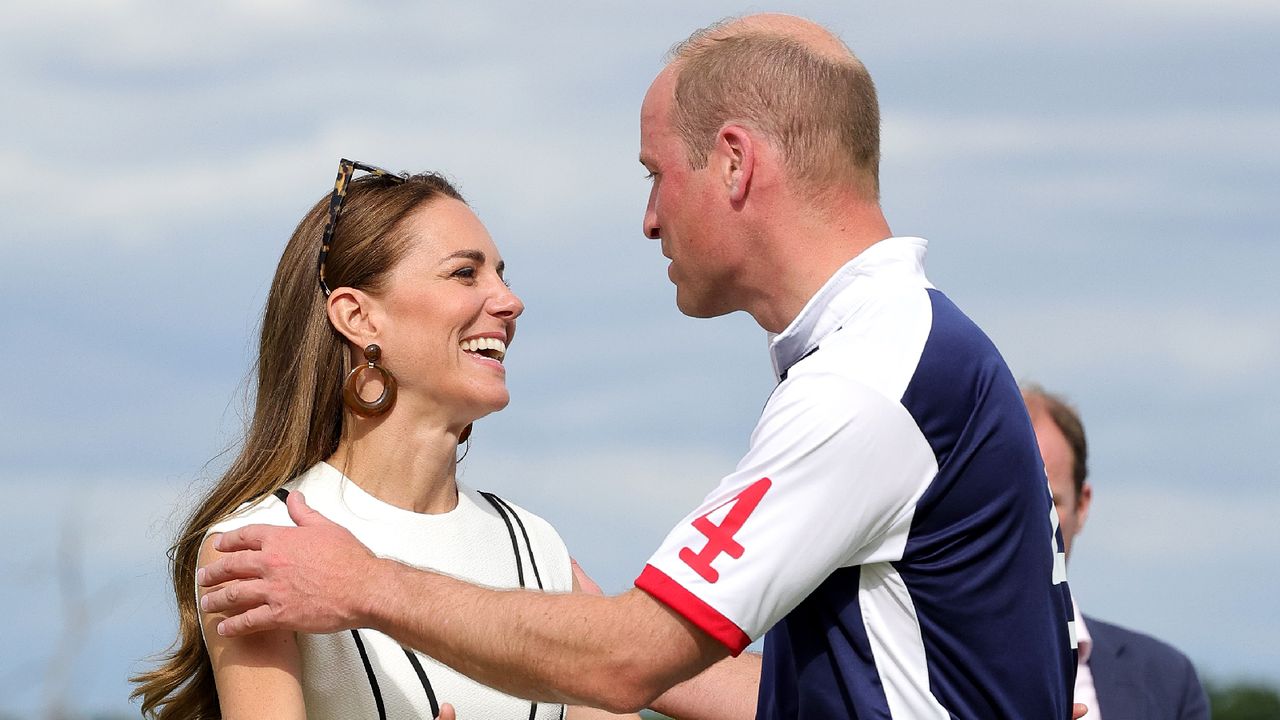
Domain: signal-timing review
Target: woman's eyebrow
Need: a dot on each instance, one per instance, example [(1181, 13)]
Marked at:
[(476, 255)]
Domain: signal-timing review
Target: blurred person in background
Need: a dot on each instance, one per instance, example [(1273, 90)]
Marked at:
[(1121, 674)]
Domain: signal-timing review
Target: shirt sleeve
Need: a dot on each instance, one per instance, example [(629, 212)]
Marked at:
[(830, 480)]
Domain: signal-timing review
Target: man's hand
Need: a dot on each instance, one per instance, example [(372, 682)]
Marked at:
[(1078, 711), (313, 578)]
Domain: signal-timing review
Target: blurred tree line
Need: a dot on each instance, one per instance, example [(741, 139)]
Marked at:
[(1243, 701)]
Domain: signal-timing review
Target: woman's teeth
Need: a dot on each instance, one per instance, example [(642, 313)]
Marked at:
[(489, 347)]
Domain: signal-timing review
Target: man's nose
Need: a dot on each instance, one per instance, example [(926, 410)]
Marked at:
[(651, 228)]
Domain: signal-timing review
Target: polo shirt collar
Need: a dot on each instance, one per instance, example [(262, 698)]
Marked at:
[(839, 297)]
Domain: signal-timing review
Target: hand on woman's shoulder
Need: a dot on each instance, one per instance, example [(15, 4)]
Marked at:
[(257, 675)]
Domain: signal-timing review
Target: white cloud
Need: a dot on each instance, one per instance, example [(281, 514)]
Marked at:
[(1186, 564), (1227, 136), (1192, 162), (1231, 9), (1206, 345), (1146, 522)]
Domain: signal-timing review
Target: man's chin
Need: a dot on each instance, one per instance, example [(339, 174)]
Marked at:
[(699, 307)]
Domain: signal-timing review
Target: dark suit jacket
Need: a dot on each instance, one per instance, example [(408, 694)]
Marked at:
[(1140, 678)]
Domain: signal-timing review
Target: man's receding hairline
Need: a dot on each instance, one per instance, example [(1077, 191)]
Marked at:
[(815, 38)]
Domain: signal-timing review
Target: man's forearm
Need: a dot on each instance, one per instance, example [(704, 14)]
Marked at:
[(727, 690), (617, 653)]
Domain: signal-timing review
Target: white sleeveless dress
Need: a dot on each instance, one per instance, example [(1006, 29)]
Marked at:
[(484, 540)]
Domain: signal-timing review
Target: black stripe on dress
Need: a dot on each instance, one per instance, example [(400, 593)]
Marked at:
[(511, 531), (528, 545), (283, 494), (373, 679), (498, 505), (426, 684)]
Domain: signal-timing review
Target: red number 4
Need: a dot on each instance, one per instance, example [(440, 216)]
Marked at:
[(720, 537)]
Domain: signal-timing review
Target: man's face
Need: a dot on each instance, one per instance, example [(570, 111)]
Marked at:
[(683, 211), (1059, 462)]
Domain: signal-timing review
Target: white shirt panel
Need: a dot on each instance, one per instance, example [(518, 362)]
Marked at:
[(893, 630), (846, 466)]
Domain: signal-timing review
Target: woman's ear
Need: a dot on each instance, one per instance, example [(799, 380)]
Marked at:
[(354, 313)]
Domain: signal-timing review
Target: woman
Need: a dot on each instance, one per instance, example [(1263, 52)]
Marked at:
[(382, 342)]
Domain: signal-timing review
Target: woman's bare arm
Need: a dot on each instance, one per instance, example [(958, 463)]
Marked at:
[(257, 675)]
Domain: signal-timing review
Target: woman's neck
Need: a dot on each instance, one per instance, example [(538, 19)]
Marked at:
[(410, 469)]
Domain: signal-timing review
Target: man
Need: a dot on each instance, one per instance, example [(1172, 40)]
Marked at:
[(1121, 673), (889, 527)]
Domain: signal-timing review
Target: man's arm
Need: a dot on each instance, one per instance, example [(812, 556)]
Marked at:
[(617, 653), (727, 690)]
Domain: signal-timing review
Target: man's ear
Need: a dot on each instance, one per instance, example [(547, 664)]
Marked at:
[(355, 315), (735, 157), (1082, 505)]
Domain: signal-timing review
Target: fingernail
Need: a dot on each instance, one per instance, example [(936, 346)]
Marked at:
[(204, 603), (200, 576), (221, 630)]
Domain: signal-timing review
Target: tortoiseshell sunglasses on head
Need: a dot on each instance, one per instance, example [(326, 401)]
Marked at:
[(346, 168)]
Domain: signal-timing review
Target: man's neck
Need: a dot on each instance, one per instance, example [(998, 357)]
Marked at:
[(800, 256)]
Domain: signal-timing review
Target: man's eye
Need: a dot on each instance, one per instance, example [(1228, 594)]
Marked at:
[(650, 176)]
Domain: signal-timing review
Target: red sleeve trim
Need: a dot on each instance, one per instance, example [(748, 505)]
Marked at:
[(693, 608)]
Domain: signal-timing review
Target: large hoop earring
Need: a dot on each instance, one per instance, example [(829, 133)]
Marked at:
[(351, 398), (464, 442)]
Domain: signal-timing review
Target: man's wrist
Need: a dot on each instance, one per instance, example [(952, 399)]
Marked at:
[(372, 607)]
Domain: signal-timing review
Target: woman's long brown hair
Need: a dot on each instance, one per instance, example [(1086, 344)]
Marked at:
[(298, 414)]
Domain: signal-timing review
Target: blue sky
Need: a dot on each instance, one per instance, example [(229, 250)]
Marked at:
[(1098, 182)]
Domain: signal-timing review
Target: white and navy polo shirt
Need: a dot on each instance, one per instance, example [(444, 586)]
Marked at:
[(891, 526)]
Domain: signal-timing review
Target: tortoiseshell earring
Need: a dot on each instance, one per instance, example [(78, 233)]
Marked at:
[(351, 398)]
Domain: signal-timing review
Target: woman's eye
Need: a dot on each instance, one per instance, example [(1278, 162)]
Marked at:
[(465, 272)]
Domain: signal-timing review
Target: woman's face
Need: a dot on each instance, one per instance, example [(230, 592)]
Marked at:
[(447, 316)]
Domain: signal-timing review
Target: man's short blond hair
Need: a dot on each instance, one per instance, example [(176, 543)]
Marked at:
[(819, 107)]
